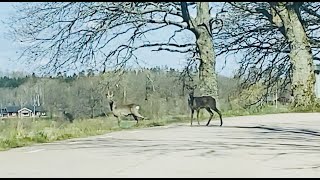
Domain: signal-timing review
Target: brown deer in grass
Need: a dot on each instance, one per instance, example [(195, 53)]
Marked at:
[(198, 103), (123, 110)]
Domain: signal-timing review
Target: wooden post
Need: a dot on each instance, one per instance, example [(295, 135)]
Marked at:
[(124, 94), (277, 95)]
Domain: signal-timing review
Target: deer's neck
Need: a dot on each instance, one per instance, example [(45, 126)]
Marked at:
[(191, 100)]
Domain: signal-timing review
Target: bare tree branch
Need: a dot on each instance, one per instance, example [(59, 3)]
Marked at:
[(66, 34)]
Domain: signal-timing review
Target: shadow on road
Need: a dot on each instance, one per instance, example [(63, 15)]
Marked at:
[(279, 130), (256, 140), (284, 140)]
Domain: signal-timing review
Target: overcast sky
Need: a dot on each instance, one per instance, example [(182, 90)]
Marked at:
[(8, 51)]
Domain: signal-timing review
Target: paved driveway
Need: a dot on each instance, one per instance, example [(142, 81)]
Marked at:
[(281, 145)]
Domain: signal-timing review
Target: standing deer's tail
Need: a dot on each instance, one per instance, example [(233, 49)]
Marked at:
[(136, 111)]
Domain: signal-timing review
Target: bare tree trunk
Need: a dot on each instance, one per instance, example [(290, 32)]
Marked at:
[(124, 94), (303, 80), (200, 27), (207, 74)]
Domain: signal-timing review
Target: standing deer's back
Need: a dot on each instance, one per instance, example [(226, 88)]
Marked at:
[(124, 110), (202, 102)]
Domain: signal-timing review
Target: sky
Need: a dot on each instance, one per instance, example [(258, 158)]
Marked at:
[(8, 53)]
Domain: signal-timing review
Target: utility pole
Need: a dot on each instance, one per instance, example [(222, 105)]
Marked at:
[(277, 95), (1, 111), (34, 109)]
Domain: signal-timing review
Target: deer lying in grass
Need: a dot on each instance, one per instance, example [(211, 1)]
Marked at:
[(123, 110), (68, 116), (198, 103)]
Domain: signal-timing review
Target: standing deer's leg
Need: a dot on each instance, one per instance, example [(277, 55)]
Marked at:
[(140, 116), (135, 118), (136, 113), (118, 118), (211, 114), (198, 116), (216, 110), (192, 111)]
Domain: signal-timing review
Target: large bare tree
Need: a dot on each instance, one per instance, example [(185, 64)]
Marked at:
[(278, 43), (303, 79), (100, 35)]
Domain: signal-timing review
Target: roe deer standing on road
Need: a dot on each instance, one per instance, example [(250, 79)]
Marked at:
[(123, 110), (207, 102)]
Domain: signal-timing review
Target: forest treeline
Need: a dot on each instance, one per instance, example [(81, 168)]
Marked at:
[(159, 91)]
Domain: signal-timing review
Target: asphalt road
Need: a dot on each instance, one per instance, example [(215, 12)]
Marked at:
[(281, 145)]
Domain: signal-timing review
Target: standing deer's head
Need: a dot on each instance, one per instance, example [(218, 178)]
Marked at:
[(191, 90), (110, 99), (109, 96)]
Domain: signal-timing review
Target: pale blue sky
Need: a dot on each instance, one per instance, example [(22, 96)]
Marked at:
[(8, 51)]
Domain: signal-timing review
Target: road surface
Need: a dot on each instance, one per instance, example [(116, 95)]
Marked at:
[(279, 145)]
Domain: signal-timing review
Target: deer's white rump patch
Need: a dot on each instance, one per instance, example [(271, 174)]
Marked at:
[(137, 107)]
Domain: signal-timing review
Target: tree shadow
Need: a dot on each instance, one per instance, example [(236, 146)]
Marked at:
[(269, 141), (280, 130)]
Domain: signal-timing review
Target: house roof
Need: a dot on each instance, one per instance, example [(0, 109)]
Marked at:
[(25, 109), (11, 109)]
